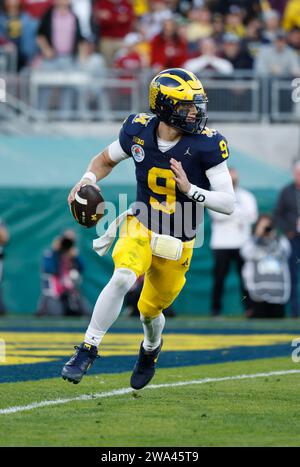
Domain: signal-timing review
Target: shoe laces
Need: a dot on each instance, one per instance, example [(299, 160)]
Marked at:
[(76, 347)]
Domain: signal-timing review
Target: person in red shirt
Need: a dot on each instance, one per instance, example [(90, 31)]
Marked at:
[(129, 63), (36, 8), (114, 19), (168, 49), (129, 60), (3, 41)]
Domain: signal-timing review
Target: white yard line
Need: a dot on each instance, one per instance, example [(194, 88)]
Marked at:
[(121, 392)]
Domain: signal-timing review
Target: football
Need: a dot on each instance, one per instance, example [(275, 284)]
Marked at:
[(88, 206)]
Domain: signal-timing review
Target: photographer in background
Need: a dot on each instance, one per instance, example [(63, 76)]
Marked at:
[(266, 270), (3, 241), (287, 219), (61, 278), (228, 235)]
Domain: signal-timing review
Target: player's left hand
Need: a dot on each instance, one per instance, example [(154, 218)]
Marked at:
[(180, 176)]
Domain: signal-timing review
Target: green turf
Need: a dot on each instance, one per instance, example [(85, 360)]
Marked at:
[(258, 412), (124, 322)]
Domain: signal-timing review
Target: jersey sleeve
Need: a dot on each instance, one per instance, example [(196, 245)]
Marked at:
[(215, 151), (116, 152)]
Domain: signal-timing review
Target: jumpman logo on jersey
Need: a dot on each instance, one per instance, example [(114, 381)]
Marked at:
[(187, 152)]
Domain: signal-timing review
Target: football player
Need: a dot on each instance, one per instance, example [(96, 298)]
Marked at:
[(180, 168)]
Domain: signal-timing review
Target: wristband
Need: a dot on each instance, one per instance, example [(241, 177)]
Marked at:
[(195, 194), (91, 176)]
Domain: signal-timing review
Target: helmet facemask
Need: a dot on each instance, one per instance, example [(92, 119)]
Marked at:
[(176, 115), (180, 120), (171, 94)]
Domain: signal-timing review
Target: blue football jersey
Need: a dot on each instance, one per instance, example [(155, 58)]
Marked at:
[(160, 206)]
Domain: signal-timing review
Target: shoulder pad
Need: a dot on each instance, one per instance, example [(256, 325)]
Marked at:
[(135, 123), (209, 132), (213, 148), (211, 137)]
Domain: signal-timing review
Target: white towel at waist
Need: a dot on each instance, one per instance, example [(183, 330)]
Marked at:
[(102, 244)]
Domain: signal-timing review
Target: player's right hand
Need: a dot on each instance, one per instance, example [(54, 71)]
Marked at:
[(83, 181)]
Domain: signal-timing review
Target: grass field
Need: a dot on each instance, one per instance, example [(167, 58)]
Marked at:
[(260, 411)]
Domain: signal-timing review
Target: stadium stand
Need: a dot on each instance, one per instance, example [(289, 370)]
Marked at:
[(114, 47)]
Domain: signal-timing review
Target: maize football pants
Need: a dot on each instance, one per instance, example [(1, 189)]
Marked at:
[(164, 278)]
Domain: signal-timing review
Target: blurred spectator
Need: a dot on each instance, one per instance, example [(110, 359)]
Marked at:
[(271, 25), (83, 10), (234, 21), (168, 49), (3, 241), (233, 52), (140, 7), (218, 28), (253, 40), (182, 7), (129, 63), (61, 276), (36, 8), (294, 39), (291, 16), (9, 52), (114, 19), (59, 39), (59, 33), (153, 21), (199, 25), (287, 218), (129, 60), (277, 59), (208, 60), (91, 61), (266, 272), (143, 46), (18, 28), (278, 5), (249, 8), (229, 234), (93, 96)]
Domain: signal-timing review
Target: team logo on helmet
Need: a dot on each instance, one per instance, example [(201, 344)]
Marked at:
[(172, 94), (138, 153)]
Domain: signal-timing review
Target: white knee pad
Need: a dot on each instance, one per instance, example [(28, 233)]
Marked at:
[(147, 320), (123, 279)]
